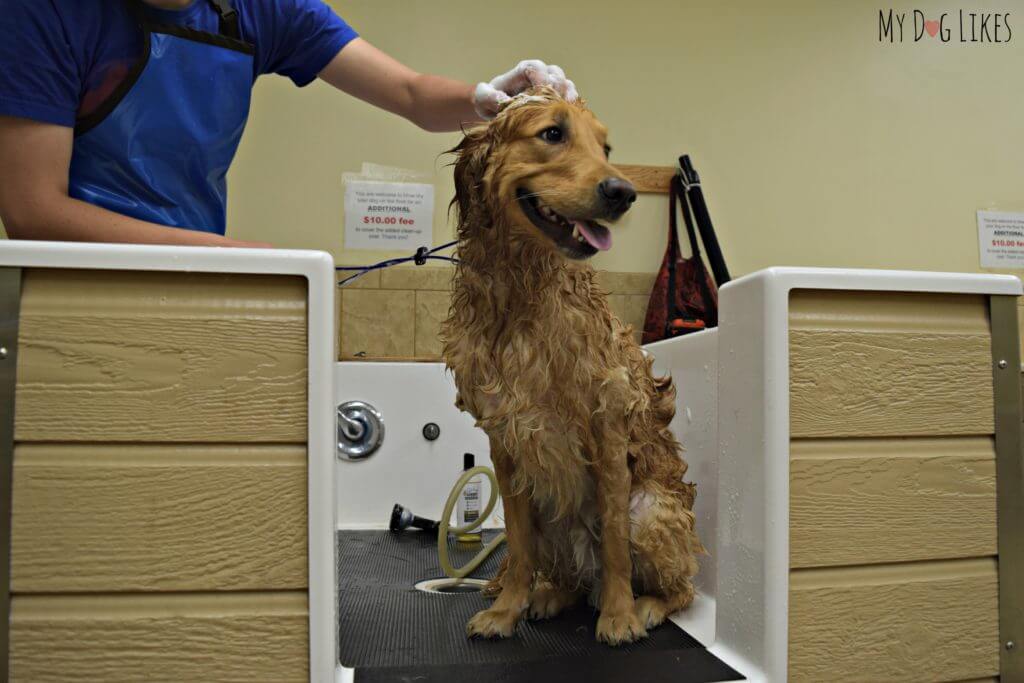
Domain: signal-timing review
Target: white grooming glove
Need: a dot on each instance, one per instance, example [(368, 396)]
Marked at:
[(488, 97)]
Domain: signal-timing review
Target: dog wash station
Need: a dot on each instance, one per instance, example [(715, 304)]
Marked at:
[(185, 504)]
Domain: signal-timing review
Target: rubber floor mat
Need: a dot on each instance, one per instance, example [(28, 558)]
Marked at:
[(387, 624)]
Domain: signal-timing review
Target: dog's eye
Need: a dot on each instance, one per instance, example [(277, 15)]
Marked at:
[(553, 135)]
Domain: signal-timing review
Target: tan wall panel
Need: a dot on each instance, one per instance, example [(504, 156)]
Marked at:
[(158, 518), (184, 637), (133, 356), (431, 312), (378, 323), (933, 621), (867, 501), (631, 309), (421, 278), (884, 364)]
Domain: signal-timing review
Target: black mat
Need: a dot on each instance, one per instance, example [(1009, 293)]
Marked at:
[(389, 630)]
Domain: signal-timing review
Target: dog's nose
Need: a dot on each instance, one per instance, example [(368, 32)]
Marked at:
[(617, 193)]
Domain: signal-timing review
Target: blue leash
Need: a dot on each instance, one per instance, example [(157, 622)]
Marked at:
[(421, 256)]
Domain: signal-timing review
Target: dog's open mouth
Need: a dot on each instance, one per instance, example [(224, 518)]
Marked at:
[(577, 238)]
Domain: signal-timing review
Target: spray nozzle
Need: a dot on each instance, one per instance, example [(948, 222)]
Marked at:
[(403, 518)]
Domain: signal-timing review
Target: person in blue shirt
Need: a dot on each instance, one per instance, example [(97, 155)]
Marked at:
[(119, 118)]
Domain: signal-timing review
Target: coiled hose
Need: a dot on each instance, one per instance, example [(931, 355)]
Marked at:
[(444, 528)]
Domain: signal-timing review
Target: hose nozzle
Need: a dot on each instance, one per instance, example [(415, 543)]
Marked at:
[(401, 518)]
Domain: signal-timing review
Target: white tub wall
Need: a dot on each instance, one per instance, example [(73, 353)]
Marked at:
[(407, 469), (692, 361), (753, 508)]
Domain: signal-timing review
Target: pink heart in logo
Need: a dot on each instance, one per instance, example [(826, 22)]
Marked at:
[(932, 27)]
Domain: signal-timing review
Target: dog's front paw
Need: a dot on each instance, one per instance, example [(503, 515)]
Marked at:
[(492, 623), (547, 602), (650, 610), (616, 629)]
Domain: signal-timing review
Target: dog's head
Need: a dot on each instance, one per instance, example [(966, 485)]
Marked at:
[(540, 171)]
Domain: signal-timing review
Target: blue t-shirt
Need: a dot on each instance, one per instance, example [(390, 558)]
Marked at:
[(60, 59)]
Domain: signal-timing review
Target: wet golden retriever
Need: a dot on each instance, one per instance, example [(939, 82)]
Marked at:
[(590, 475)]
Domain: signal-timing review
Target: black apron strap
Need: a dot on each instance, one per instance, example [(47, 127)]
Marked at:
[(94, 118), (228, 18), (228, 24)]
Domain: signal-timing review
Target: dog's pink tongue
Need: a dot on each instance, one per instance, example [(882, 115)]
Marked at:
[(598, 236)]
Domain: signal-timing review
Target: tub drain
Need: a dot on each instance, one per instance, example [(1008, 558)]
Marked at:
[(451, 586)]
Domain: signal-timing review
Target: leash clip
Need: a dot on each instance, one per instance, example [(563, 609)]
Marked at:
[(421, 256)]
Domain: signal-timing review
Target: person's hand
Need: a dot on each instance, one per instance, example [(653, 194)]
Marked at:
[(488, 97)]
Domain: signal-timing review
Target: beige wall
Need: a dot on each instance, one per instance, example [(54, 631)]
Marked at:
[(818, 144)]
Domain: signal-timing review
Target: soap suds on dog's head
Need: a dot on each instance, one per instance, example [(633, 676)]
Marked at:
[(489, 98), (523, 98), (538, 95)]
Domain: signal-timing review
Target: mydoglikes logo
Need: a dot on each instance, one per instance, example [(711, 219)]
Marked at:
[(963, 26)]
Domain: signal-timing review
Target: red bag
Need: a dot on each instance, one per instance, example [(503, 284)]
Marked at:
[(684, 298)]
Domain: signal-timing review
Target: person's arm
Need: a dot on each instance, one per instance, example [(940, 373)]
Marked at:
[(434, 103), (34, 201)]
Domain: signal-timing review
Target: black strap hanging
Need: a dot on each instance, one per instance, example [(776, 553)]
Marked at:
[(691, 184), (228, 18)]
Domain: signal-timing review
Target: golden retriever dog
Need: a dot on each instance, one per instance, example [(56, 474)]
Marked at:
[(590, 475)]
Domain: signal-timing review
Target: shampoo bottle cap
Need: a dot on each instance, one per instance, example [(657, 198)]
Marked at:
[(468, 461)]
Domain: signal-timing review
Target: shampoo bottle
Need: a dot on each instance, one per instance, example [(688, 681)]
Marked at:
[(467, 508)]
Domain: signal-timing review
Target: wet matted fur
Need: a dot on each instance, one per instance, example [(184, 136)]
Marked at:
[(590, 474)]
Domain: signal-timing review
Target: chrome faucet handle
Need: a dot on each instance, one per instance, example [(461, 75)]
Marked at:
[(360, 430)]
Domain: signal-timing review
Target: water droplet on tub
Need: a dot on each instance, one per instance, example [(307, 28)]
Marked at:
[(689, 415)]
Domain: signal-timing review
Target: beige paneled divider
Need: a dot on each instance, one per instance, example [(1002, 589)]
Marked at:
[(159, 526), (892, 488), (161, 357), (160, 637), (125, 517)]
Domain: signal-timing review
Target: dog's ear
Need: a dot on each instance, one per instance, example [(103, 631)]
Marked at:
[(471, 156)]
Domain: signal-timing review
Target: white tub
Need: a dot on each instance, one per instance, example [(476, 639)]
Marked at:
[(419, 473), (732, 417)]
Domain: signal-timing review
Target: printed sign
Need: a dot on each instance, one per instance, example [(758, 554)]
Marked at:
[(1001, 239), (388, 216)]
